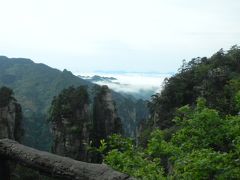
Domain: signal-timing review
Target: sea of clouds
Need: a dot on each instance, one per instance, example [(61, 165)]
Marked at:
[(132, 82)]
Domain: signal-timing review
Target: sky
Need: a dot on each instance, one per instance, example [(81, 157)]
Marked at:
[(117, 35)]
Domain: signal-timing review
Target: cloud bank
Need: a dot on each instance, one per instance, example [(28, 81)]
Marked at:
[(134, 83)]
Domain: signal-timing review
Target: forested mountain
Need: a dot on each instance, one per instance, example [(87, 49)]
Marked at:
[(35, 85), (217, 79), (194, 129), (192, 133)]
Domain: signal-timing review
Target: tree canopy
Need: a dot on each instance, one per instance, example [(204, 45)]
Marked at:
[(205, 146), (217, 79)]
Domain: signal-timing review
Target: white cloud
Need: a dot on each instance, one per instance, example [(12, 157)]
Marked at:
[(132, 82)]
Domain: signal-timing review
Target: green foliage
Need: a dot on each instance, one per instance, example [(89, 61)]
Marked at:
[(237, 98), (205, 164), (68, 103), (116, 141), (205, 145), (217, 79), (125, 157), (203, 128), (205, 141)]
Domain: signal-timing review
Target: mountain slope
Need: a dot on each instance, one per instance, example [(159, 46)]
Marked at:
[(217, 79), (35, 85), (38, 82)]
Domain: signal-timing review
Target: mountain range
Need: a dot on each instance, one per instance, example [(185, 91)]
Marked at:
[(35, 85)]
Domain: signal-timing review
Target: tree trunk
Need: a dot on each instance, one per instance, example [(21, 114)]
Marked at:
[(54, 165)]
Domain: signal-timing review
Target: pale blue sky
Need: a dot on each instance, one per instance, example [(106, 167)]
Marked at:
[(129, 35)]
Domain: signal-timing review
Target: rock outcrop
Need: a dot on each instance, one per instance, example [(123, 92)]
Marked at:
[(10, 116), (132, 114), (57, 166), (105, 118), (76, 122), (70, 138), (10, 121), (71, 123), (10, 125)]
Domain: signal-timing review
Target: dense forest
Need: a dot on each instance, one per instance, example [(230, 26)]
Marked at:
[(193, 131), (216, 79)]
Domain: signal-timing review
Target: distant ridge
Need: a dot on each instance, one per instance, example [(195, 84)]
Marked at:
[(35, 85)]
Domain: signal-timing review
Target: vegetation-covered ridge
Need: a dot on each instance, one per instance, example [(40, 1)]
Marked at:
[(204, 146), (193, 131), (217, 79), (194, 128)]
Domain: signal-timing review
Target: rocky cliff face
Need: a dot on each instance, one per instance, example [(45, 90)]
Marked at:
[(105, 118), (10, 125), (72, 134), (132, 114), (10, 121), (10, 116), (76, 122), (71, 124)]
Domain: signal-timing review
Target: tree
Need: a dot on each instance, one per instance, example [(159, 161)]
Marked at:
[(204, 146)]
